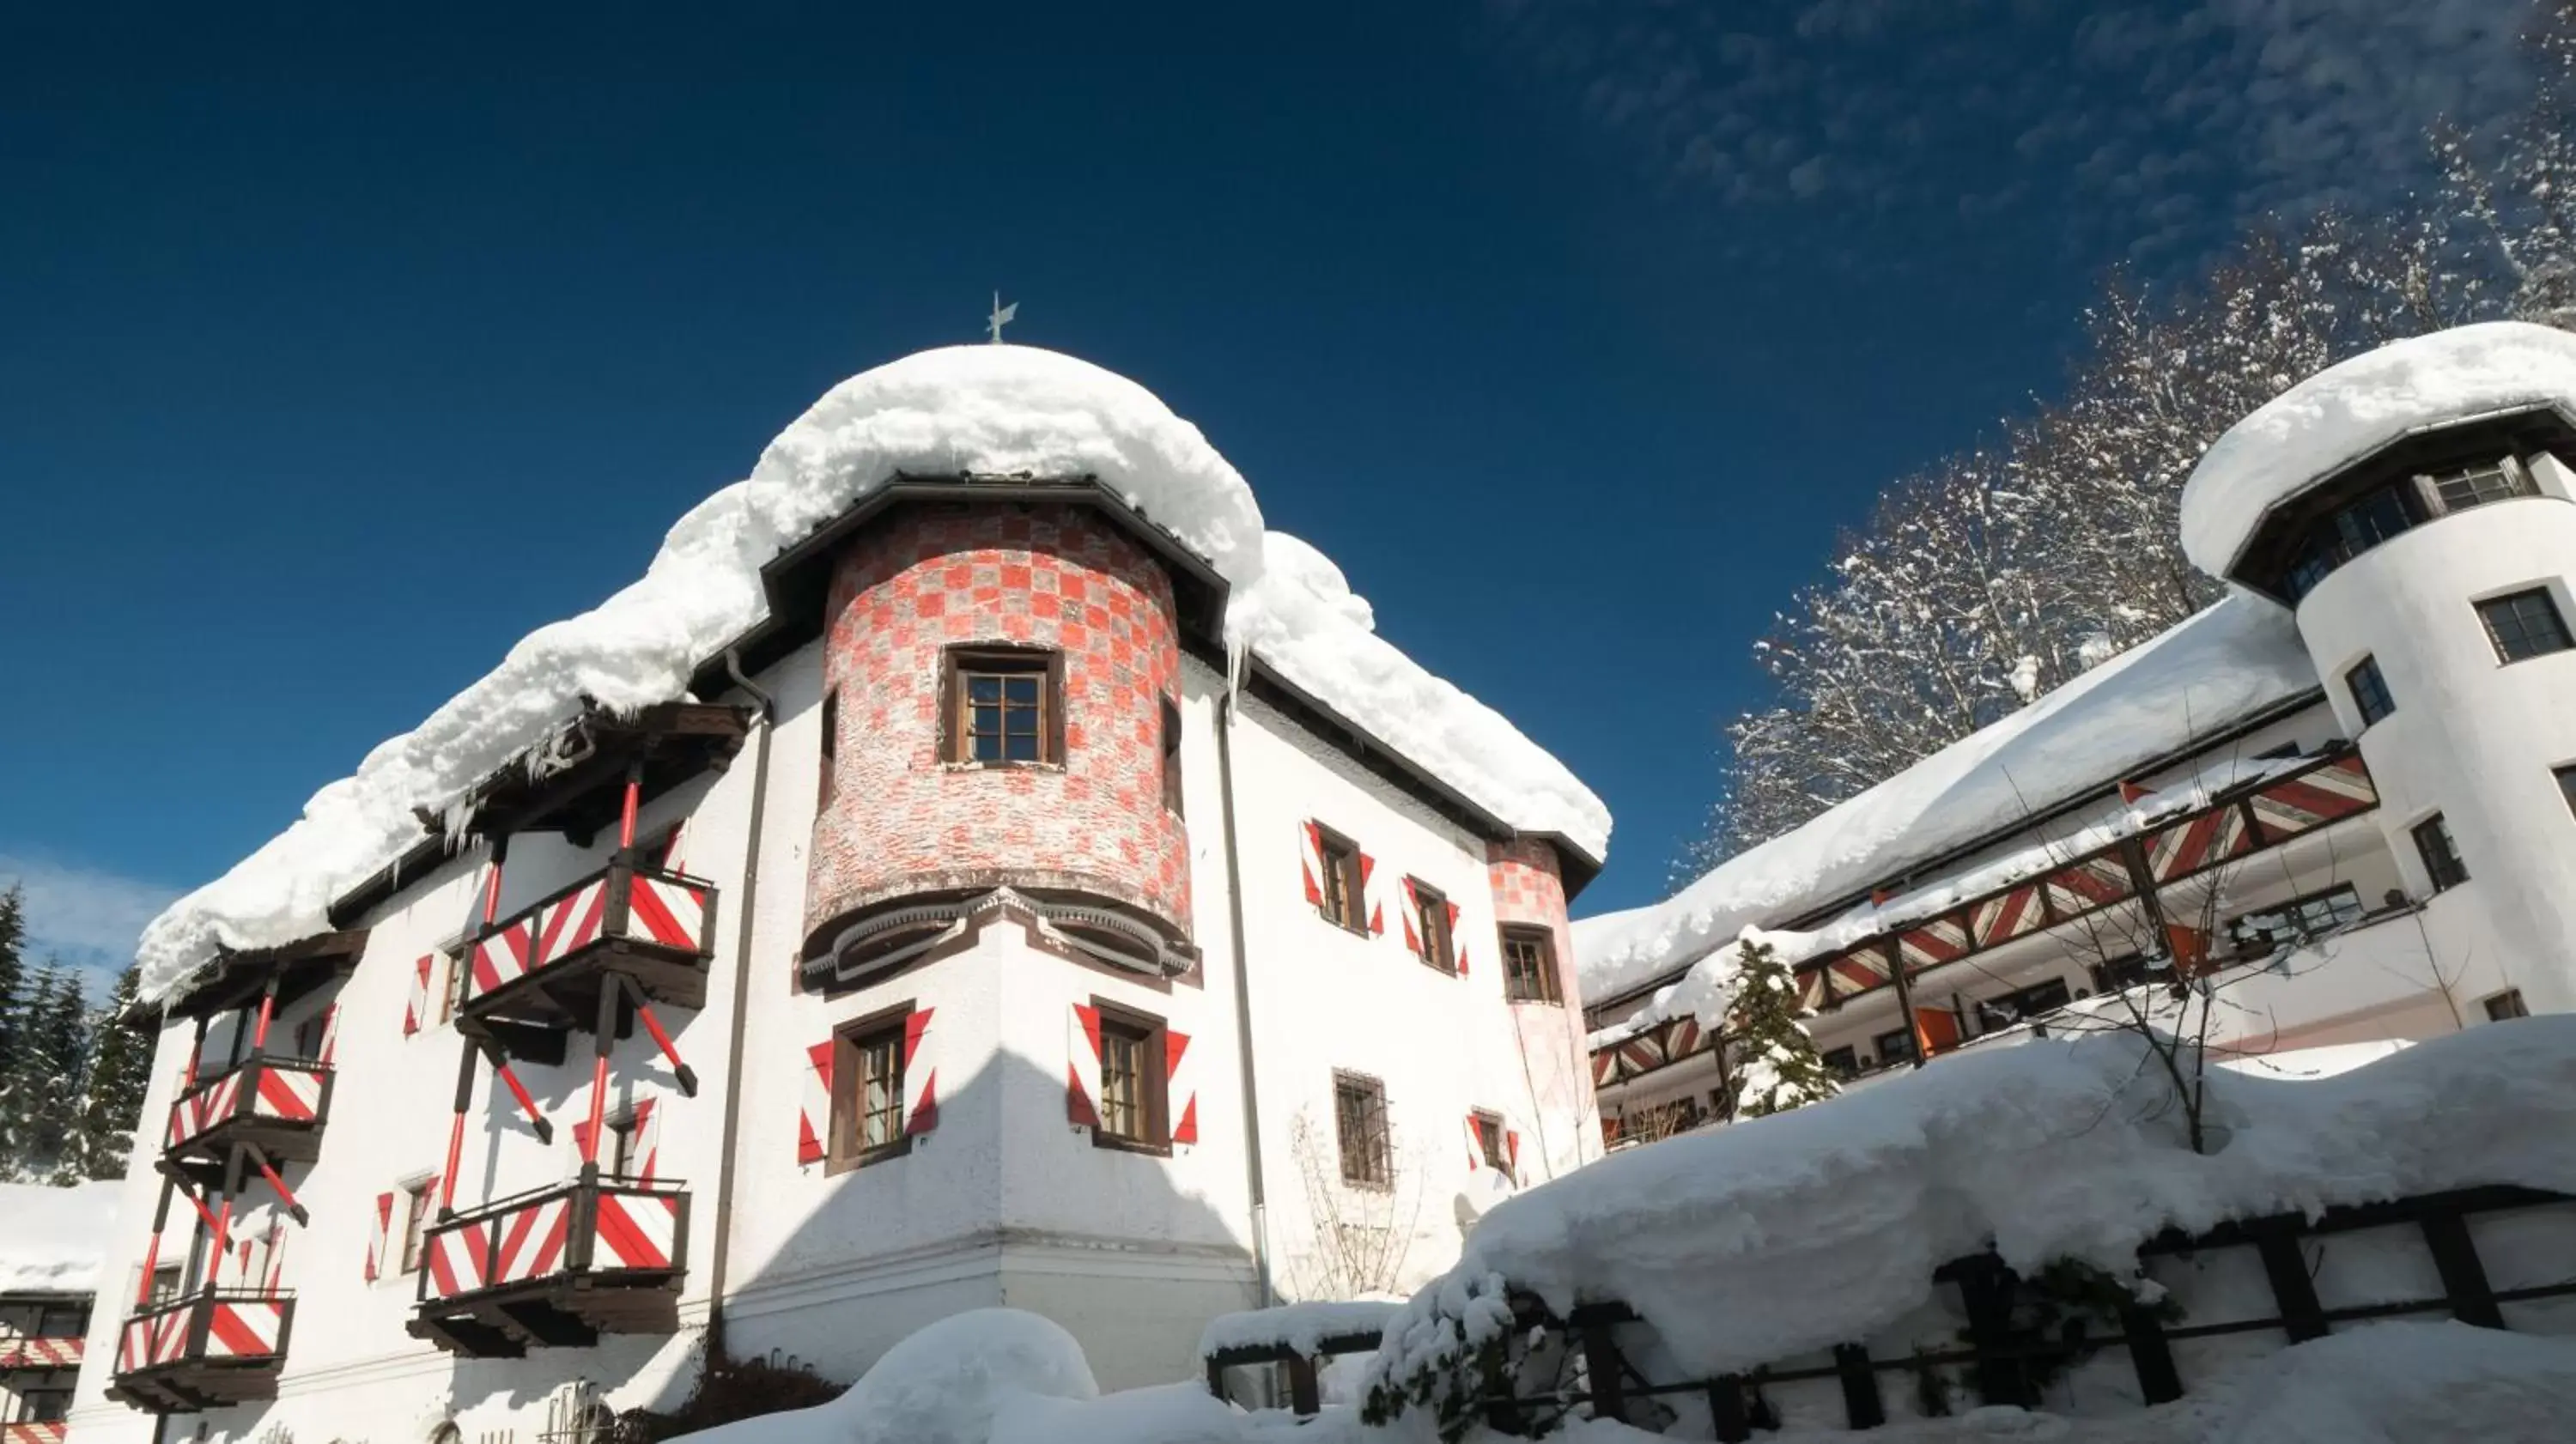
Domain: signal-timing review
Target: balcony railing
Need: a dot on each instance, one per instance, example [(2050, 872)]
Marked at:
[(215, 1347), (557, 1266), (274, 1102), (47, 1432), (653, 925), (19, 1352)]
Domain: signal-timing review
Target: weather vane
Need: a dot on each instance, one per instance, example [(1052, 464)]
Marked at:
[(1001, 316)]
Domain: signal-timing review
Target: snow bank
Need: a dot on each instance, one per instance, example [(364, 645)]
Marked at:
[(2349, 410), (1833, 1217), (943, 1385), (1302, 1326), (2211, 670), (51, 1239), (982, 409)]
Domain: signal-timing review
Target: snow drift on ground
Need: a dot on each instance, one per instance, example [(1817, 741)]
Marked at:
[(981, 409), (2346, 411), (2224, 664), (1835, 1216), (943, 1385), (51, 1238)]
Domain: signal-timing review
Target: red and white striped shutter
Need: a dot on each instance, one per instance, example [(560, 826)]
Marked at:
[(330, 1034), (1457, 944), (672, 846), (416, 1006), (275, 1274), (1310, 860), (1370, 896), (1475, 1145), (377, 1241), (1411, 909), (920, 1080), (1512, 1151), (1082, 1068), (814, 1106), (648, 1138), (1181, 1087)]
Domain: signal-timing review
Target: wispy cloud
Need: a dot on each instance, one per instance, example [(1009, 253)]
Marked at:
[(2141, 128), (82, 916)]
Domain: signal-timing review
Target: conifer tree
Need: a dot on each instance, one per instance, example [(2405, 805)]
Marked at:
[(13, 982), (1781, 1070), (120, 1070), (44, 1081)]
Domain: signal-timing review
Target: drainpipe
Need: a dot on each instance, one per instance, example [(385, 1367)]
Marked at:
[(1243, 1004), (741, 1012)]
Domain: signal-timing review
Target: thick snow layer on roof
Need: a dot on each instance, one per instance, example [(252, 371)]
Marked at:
[(2348, 410), (983, 409), (1834, 1216), (51, 1238), (2214, 669)]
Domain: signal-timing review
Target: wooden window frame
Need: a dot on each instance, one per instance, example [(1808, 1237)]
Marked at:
[(842, 1149), (2451, 869), (1004, 659), (1493, 1141), (1551, 988), (1151, 1037), (1340, 857), (2365, 681), (619, 1150), (1383, 1160), (2566, 778), (2505, 1006), (1171, 714), (419, 1204), (1430, 903), (827, 779), (2549, 604)]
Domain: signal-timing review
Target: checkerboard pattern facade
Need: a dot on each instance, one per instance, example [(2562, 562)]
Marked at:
[(900, 821), (1529, 887)]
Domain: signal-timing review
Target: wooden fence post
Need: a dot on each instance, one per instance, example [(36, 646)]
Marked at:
[(1601, 1362), (2464, 1278), (2276, 1240), (1861, 1404), (1303, 1395), (1726, 1409), (1986, 1288), (2151, 1354)]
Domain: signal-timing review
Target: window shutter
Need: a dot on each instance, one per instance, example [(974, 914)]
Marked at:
[(672, 849), (1412, 908), (416, 1006), (648, 1138), (1082, 1068), (1512, 1150), (377, 1240), (1369, 897), (920, 1083), (1475, 1145), (1181, 1092), (1457, 944), (1310, 860), (330, 1035), (814, 1107)]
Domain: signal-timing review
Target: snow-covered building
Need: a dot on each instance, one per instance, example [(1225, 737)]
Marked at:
[(2344, 792), (977, 864), (50, 1243)]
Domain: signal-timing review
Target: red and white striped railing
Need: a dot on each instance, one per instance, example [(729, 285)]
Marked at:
[(617, 1226), (25, 1353), (638, 907), (234, 1325), (47, 1432), (273, 1090)]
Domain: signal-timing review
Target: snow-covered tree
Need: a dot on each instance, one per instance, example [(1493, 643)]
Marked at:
[(119, 1072), (1780, 1069)]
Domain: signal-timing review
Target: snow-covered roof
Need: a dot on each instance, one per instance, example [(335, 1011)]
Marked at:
[(51, 1239), (2350, 410), (2231, 662), (1000, 410)]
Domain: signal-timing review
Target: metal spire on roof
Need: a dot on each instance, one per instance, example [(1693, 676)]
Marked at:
[(1001, 316)]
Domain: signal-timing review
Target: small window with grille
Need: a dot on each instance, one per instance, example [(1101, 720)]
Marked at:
[(2369, 691), (2479, 485), (2524, 624), (2507, 1004), (1529, 965), (1360, 1131), (1492, 1144), (2441, 855)]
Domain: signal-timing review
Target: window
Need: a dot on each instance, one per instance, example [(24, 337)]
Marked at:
[(2369, 691), (1171, 757), (417, 1200), (2525, 624), (622, 1153), (2441, 856), (1359, 1127), (2024, 1003), (867, 1074), (2262, 933), (1003, 707), (825, 782), (2507, 1004), (1529, 966), (1491, 1144), (1133, 1080), (165, 1283), (2120, 974), (48, 1402), (1341, 880), (2567, 785), (1843, 1062), (1431, 924), (2481, 484), (1894, 1046)]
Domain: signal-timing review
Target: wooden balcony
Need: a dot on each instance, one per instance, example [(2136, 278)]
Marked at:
[(50, 1432), (276, 1104), (216, 1347), (557, 1267), (546, 964)]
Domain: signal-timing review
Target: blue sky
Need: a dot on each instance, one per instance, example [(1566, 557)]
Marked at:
[(337, 354)]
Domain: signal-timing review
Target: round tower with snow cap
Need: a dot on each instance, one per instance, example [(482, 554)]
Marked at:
[(2416, 508)]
